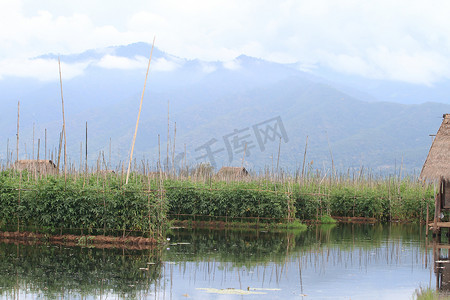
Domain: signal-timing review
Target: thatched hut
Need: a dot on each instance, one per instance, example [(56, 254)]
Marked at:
[(437, 168), (437, 164), (40, 166), (157, 174), (232, 172)]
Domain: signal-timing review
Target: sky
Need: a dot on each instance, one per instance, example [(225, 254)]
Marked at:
[(402, 40)]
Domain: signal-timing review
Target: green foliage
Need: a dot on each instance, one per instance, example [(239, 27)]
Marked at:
[(102, 204), (429, 294), (53, 205), (325, 219), (237, 200), (383, 199), (297, 225)]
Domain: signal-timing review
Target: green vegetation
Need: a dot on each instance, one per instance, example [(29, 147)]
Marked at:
[(382, 199), (89, 205), (429, 294), (100, 203), (325, 219)]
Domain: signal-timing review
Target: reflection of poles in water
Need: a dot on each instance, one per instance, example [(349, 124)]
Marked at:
[(441, 266), (239, 277), (436, 270), (16, 290), (171, 280), (300, 274)]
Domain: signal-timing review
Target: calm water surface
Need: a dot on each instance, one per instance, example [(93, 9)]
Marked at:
[(324, 262)]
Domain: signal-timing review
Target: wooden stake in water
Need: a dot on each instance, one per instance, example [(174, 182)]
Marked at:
[(139, 114)]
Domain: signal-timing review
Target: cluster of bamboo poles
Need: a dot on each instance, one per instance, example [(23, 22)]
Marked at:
[(303, 175), (56, 155)]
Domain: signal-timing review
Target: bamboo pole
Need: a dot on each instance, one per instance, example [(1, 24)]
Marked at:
[(38, 148), (64, 122), (173, 151), (33, 143), (304, 157), (45, 151), (437, 208), (243, 157), (59, 151), (18, 118), (426, 232), (331, 155), (185, 161), (168, 138), (81, 157), (278, 159), (109, 159), (86, 157), (139, 114), (159, 156), (7, 153)]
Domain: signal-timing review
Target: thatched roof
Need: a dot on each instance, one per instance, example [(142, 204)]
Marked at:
[(437, 163), (232, 171), (41, 166)]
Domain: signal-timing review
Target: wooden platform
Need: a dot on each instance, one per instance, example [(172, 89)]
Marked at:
[(440, 224), (439, 246)]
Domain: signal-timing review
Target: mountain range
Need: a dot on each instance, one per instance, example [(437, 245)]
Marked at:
[(270, 112)]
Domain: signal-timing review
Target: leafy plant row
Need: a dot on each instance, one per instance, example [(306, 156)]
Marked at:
[(54, 204), (105, 204), (305, 202)]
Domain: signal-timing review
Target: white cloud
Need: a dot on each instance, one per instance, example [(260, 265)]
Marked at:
[(232, 65), (208, 67), (139, 62), (41, 69), (164, 65), (123, 63), (406, 40)]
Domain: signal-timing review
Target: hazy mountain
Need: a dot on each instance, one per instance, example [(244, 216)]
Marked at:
[(226, 104)]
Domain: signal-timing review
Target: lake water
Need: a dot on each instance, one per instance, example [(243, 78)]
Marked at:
[(345, 261)]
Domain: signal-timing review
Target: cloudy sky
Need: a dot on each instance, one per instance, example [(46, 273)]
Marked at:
[(405, 40)]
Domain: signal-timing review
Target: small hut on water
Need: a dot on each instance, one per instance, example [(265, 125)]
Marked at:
[(437, 169), (232, 172), (40, 166), (437, 164)]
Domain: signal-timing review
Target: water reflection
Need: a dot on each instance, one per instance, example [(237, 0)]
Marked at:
[(441, 264), (324, 262), (55, 271)]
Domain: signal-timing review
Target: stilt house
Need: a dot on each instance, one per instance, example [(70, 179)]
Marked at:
[(437, 169), (40, 166)]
